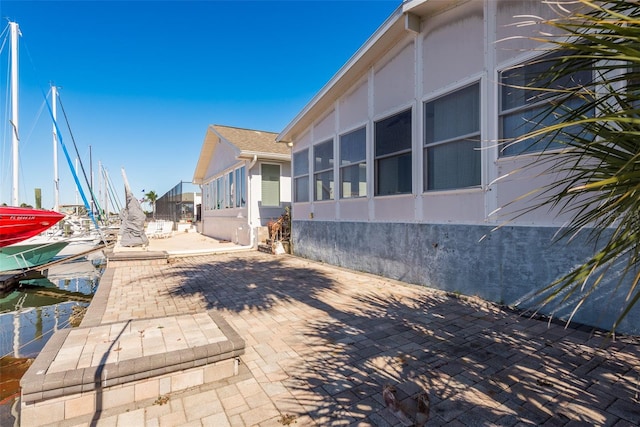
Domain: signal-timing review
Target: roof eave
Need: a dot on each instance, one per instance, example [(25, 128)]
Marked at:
[(250, 155), (206, 152)]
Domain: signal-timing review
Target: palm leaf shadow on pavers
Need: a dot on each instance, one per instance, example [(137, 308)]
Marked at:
[(480, 365)]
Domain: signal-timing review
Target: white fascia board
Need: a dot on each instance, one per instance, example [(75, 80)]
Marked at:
[(249, 155), (203, 160)]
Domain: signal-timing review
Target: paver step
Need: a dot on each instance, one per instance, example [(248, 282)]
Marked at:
[(87, 369)]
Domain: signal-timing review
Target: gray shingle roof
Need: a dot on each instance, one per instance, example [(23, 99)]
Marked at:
[(252, 140)]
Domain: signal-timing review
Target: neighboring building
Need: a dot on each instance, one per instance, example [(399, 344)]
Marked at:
[(179, 204), (395, 160), (246, 182)]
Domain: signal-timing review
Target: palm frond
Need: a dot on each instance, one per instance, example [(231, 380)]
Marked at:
[(597, 122)]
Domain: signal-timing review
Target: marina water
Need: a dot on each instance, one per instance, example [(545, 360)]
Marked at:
[(31, 314)]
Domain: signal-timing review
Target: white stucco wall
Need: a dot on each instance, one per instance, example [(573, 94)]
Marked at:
[(448, 239), (239, 224), (459, 46), (226, 224), (452, 47), (394, 80)]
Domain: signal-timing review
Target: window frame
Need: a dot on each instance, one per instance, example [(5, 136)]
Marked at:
[(229, 196), (473, 137), (536, 107), (279, 166), (352, 164), (241, 187), (302, 177), (398, 154), (324, 172)]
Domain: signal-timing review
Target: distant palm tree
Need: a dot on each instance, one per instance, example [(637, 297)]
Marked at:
[(599, 132), (151, 197)]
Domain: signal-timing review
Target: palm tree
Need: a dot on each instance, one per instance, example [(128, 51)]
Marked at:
[(599, 130), (151, 197)]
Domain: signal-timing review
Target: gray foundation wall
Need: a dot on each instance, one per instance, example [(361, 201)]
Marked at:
[(505, 266)]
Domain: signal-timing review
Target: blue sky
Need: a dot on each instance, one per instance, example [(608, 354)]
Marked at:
[(140, 81)]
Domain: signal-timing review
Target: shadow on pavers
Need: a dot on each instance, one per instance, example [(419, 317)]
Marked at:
[(478, 364)]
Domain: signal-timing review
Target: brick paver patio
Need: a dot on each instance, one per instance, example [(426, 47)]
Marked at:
[(322, 342)]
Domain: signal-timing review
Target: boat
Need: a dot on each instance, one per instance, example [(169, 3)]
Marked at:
[(23, 256), (18, 224), (132, 231), (85, 244)]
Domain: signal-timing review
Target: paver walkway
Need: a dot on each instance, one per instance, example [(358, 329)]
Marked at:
[(322, 342)]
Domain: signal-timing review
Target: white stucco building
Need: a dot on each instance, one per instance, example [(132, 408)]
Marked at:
[(395, 159), (246, 182)]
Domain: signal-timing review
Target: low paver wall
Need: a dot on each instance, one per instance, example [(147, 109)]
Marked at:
[(85, 370)]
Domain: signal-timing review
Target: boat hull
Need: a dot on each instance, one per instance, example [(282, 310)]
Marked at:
[(19, 257), (18, 224)]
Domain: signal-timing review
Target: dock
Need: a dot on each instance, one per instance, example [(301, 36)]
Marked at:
[(9, 280), (103, 367)]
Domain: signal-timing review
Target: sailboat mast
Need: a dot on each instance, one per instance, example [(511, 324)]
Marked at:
[(93, 202), (56, 179), (14, 110)]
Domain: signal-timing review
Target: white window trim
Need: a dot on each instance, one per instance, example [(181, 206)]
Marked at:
[(331, 142), (387, 114), (307, 175), (338, 160)]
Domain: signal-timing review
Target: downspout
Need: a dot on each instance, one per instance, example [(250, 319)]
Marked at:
[(252, 236)]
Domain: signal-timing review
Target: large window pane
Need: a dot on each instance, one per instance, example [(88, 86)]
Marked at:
[(241, 179), (301, 163), (353, 147), (452, 140), (453, 115), (393, 134), (354, 181), (323, 155), (301, 190), (230, 190), (270, 185), (323, 188), (353, 173), (214, 195), (453, 165), (323, 171), (301, 176), (393, 155), (219, 193), (518, 84), (524, 109), (394, 175)]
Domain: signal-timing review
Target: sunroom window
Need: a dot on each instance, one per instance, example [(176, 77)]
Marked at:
[(241, 187), (323, 171), (301, 176), (524, 109), (452, 140), (353, 166), (393, 154)]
